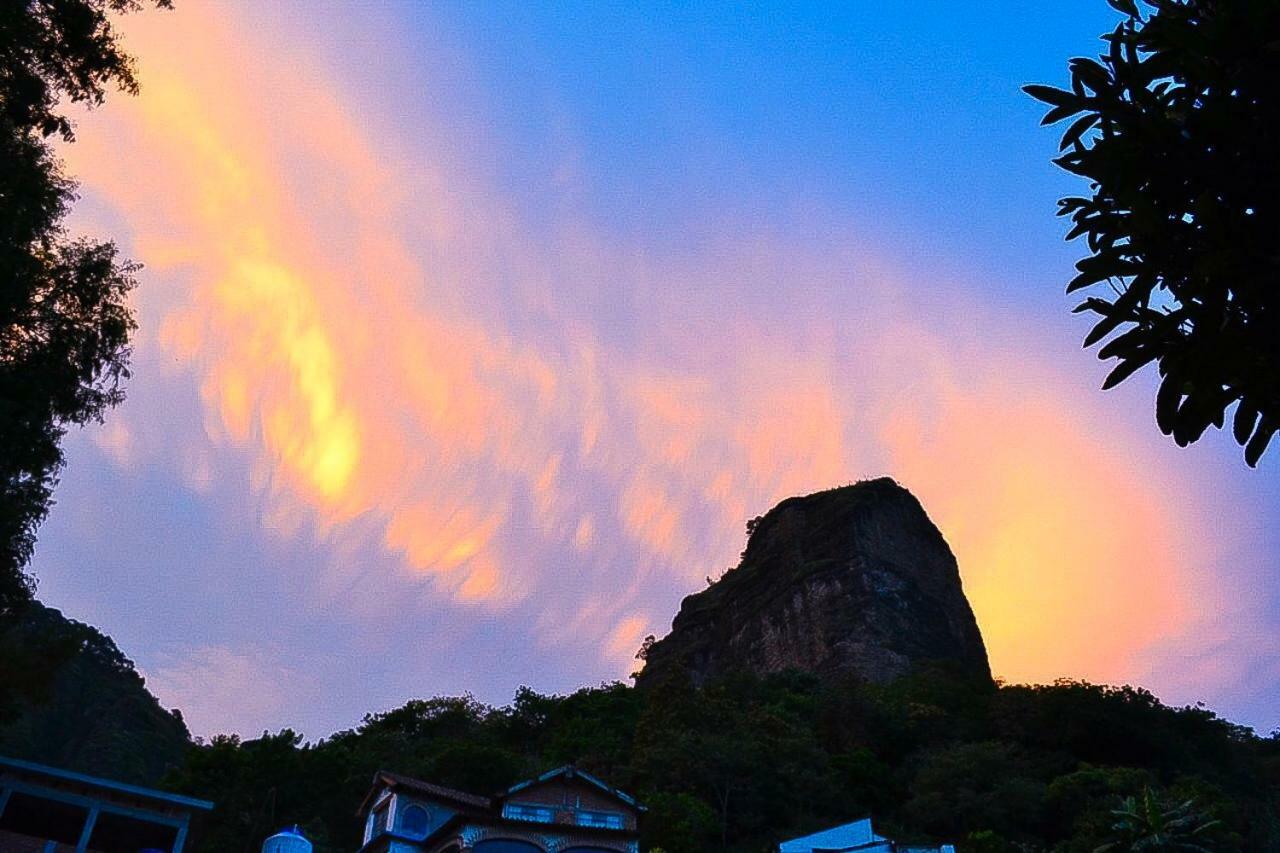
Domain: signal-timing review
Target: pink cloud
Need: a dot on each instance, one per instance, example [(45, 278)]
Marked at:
[(347, 305)]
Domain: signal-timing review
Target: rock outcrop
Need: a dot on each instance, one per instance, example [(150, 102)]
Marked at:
[(855, 580)]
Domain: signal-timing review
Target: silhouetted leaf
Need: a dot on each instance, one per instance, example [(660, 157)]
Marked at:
[(1050, 95), (1076, 130), (1069, 205), (1194, 417), (1126, 369), (1258, 444), (1245, 419), (1090, 73), (1127, 7), (1167, 400), (1075, 164), (1057, 114), (1104, 327), (1127, 344)]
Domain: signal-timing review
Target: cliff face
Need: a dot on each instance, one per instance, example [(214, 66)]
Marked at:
[(852, 580)]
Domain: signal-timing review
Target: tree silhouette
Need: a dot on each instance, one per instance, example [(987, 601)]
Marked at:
[(1147, 824), (1177, 128), (64, 320)]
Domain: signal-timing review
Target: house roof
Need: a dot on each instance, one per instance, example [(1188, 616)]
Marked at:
[(104, 787), (387, 779), (850, 836), (474, 802), (568, 771)]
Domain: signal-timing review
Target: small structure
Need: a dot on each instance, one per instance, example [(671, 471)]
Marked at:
[(857, 836), (45, 809), (565, 810), (288, 840)]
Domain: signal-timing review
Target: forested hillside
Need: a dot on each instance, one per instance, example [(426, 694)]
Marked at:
[(747, 761), (735, 766), (94, 714)]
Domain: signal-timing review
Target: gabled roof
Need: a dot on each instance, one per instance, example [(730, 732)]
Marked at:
[(570, 772), (472, 803), (387, 779)]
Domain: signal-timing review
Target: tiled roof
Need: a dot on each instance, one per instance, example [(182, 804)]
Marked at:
[(395, 780), (385, 778)]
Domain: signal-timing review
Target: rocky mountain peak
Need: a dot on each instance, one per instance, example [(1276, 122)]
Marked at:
[(854, 580)]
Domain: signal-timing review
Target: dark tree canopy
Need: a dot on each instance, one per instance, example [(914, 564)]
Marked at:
[(64, 318), (745, 762), (94, 715), (1177, 127), (734, 766)]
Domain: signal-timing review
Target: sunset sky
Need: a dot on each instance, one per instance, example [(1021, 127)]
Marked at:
[(472, 334)]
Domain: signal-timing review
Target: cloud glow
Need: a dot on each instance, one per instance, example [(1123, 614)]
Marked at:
[(405, 364)]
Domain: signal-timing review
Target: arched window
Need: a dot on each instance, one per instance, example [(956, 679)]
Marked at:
[(506, 845), (415, 820)]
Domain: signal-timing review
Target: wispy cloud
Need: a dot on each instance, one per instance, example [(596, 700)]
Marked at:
[(570, 429), (220, 689)]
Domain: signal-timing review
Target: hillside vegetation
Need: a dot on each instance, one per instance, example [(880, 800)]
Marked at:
[(746, 761), (72, 699)]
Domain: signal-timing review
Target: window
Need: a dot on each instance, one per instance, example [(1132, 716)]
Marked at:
[(521, 811), (602, 820), (415, 820), (379, 821)]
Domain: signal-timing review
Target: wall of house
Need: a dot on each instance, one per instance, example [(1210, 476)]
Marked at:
[(398, 805), (570, 794), (437, 813)]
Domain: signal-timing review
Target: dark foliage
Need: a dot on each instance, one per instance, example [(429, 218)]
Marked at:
[(1149, 822), (745, 762), (1176, 128), (95, 715), (64, 321)]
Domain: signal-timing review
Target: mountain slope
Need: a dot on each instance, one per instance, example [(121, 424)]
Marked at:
[(96, 715)]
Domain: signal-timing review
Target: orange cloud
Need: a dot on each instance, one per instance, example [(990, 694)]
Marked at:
[(346, 313), (1074, 557)]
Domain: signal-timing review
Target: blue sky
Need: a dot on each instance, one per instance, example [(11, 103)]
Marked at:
[(472, 334)]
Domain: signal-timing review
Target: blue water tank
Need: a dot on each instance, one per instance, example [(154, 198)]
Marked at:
[(287, 841)]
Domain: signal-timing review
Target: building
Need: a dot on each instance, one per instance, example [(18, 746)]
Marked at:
[(857, 836), (47, 810), (562, 811), (287, 840)]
